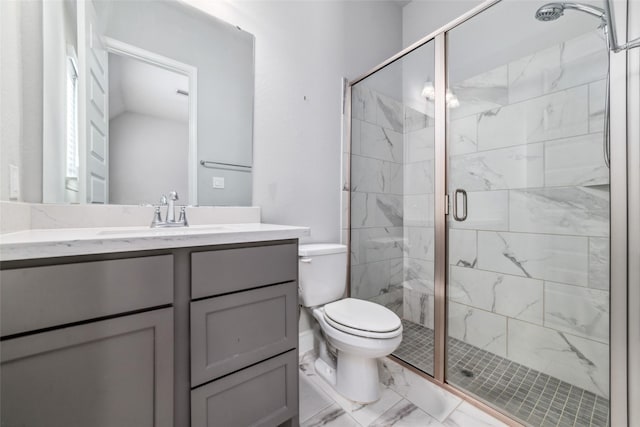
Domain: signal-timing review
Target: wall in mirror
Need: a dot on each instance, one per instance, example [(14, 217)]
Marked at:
[(138, 98)]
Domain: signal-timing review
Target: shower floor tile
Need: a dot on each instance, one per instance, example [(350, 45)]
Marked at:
[(531, 396)]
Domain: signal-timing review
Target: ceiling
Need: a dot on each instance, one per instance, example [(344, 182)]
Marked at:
[(140, 87)]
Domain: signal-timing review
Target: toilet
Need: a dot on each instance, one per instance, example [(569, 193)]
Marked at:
[(356, 332)]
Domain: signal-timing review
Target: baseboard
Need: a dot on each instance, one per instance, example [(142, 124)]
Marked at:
[(305, 341)]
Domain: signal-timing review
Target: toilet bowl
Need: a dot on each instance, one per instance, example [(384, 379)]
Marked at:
[(358, 331)]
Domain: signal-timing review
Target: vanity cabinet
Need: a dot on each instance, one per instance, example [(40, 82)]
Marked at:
[(87, 342), (200, 336), (244, 334)]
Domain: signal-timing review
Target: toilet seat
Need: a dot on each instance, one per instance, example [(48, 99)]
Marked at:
[(362, 318)]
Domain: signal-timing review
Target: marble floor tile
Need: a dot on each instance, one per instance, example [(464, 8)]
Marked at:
[(333, 416), (435, 401), (467, 415), (405, 414), (312, 399)]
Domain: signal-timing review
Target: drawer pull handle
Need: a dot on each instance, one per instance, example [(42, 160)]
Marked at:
[(306, 260)]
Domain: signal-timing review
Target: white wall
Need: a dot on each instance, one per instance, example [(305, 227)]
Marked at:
[(422, 17), (303, 49), (147, 158), (21, 97)]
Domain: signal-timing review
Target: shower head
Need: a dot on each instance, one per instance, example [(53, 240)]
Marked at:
[(553, 11), (550, 12)]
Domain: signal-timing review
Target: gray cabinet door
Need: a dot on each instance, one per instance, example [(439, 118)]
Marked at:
[(237, 330), (114, 373), (41, 297), (265, 394), (231, 270)]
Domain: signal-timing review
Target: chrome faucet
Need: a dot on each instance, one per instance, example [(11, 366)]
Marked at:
[(170, 218)]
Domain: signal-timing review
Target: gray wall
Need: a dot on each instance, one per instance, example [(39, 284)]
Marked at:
[(150, 152)]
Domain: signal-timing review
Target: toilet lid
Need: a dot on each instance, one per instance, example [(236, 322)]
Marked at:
[(362, 315)]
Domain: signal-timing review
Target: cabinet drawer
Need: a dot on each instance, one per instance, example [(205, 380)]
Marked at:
[(230, 270), (265, 394), (116, 372), (41, 297), (236, 330)]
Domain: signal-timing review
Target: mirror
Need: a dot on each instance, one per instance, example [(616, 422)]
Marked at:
[(141, 98)]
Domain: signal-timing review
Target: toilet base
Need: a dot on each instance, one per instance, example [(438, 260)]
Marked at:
[(355, 378)]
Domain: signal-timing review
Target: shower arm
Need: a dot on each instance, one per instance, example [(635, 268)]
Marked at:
[(613, 38)]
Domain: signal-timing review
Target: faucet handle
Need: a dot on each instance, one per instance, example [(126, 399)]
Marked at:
[(173, 195), (183, 216), (157, 217)]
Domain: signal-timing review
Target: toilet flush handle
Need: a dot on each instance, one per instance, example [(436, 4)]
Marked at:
[(306, 260)]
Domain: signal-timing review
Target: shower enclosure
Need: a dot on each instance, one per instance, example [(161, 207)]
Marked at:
[(479, 210)]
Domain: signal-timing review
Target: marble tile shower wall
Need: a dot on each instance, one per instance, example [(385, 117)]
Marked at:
[(529, 268), (529, 272), (377, 211), (392, 230)]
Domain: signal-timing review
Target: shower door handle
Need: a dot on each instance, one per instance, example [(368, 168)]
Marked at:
[(464, 205)]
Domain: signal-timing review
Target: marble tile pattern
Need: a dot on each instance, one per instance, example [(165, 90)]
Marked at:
[(529, 268), (406, 400), (377, 194)]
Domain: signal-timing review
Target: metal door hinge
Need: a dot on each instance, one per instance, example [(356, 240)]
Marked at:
[(446, 204)]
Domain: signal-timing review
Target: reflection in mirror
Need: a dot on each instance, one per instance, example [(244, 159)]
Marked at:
[(148, 130), (140, 98)]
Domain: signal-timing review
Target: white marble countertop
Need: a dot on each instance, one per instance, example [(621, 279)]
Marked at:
[(32, 244)]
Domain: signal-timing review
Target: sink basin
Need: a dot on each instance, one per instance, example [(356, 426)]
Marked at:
[(164, 231)]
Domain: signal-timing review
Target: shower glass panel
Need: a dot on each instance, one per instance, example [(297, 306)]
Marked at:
[(392, 230), (528, 279)]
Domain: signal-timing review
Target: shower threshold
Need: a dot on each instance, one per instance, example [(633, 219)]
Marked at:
[(535, 398)]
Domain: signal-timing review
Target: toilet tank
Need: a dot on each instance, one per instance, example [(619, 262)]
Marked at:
[(322, 273)]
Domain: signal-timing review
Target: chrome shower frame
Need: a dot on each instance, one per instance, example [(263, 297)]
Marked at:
[(622, 142)]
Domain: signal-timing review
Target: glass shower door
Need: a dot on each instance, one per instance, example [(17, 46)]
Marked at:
[(392, 209), (528, 235)]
